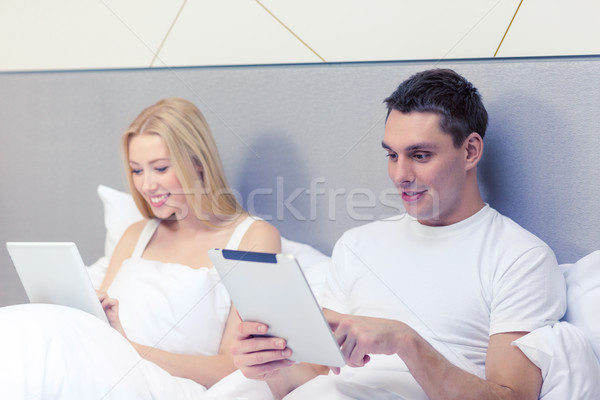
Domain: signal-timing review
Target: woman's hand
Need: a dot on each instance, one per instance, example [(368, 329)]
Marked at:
[(111, 309), (257, 356)]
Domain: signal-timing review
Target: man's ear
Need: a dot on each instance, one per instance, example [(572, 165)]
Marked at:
[(473, 146)]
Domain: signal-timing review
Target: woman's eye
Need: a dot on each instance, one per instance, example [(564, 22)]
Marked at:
[(136, 171), (161, 169)]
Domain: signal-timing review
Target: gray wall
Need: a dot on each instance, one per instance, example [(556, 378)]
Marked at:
[(279, 128)]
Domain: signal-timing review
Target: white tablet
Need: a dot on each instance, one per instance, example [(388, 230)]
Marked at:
[(54, 273), (271, 288)]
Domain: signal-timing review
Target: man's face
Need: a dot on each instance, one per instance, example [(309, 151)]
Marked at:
[(428, 171)]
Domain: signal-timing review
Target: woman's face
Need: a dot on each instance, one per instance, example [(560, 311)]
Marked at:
[(154, 177)]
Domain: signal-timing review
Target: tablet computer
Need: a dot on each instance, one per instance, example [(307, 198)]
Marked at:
[(271, 288), (54, 273)]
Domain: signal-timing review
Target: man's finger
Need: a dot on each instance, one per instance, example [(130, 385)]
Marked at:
[(332, 317)]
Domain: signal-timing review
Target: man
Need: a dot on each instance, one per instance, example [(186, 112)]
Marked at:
[(440, 293)]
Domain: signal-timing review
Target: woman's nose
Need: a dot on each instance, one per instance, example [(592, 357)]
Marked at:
[(149, 183)]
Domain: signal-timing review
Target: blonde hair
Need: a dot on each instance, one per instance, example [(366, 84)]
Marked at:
[(191, 145)]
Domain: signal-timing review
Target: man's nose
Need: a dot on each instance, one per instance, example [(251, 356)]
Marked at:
[(402, 172)]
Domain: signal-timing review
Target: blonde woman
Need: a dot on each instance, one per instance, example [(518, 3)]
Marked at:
[(160, 291)]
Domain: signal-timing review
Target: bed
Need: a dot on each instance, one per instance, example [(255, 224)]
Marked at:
[(321, 126), (568, 352)]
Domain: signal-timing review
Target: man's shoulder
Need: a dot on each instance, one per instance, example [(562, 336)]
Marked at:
[(512, 231), (510, 245)]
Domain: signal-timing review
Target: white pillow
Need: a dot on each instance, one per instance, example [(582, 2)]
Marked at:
[(583, 296), (314, 263), (120, 211), (569, 367)]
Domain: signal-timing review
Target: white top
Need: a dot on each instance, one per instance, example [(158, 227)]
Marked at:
[(456, 284), (171, 306)]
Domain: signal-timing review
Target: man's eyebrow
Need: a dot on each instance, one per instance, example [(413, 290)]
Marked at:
[(413, 147), (421, 146)]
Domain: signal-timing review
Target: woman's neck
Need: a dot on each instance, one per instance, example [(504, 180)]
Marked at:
[(208, 222)]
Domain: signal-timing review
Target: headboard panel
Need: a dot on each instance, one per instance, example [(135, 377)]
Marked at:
[(300, 144)]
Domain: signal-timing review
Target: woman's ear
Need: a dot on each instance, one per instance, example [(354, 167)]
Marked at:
[(199, 172), (473, 150)]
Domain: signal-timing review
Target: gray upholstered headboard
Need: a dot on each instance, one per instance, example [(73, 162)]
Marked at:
[(301, 144)]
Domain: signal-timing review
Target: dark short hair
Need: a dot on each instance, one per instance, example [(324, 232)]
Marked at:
[(452, 97)]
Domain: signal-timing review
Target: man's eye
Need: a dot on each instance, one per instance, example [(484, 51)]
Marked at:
[(392, 156), (421, 156)]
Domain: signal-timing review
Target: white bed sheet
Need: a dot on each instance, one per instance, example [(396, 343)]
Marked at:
[(54, 352)]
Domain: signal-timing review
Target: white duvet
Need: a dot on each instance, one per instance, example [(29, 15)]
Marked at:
[(47, 353), (384, 377), (55, 352)]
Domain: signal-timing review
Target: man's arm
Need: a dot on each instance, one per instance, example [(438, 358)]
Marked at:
[(509, 373)]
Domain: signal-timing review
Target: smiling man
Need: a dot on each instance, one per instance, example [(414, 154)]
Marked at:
[(426, 305), (436, 179)]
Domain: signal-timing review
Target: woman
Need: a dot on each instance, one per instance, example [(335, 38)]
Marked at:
[(160, 291)]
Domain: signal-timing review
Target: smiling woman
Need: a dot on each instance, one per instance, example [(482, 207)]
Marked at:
[(153, 176), (171, 310), (188, 144)]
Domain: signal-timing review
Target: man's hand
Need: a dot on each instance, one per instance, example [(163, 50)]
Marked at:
[(360, 336), (509, 373), (258, 356)]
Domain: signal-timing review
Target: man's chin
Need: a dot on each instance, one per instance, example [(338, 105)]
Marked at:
[(424, 218), (416, 212)]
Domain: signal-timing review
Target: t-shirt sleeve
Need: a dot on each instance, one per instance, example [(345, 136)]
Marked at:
[(334, 295), (528, 294)]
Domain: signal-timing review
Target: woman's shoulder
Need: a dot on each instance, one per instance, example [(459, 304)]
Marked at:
[(130, 238), (123, 250), (133, 231), (261, 236), (261, 227)]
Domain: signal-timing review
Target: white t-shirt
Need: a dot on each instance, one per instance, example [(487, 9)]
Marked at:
[(456, 284)]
